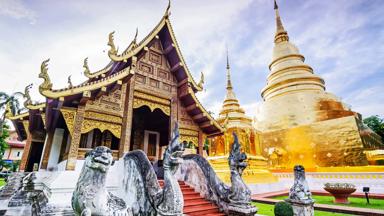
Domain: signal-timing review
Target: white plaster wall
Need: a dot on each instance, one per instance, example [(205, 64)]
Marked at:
[(61, 166), (316, 181), (61, 184), (55, 149)]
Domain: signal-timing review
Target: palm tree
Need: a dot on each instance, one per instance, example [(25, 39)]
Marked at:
[(14, 105)]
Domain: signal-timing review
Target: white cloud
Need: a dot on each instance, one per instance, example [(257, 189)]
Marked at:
[(17, 9), (333, 37)]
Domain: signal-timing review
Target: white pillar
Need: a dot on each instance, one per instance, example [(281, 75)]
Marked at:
[(54, 155)]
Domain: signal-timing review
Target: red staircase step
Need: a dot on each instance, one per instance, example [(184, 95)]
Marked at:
[(198, 210), (187, 190), (197, 202), (192, 197), (194, 204)]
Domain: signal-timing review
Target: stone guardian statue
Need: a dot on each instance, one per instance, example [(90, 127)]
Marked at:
[(299, 195), (91, 196)]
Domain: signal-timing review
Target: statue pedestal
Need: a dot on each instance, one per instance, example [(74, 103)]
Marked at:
[(234, 210), (302, 208)]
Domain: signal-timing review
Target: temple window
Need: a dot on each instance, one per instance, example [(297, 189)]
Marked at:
[(96, 138)]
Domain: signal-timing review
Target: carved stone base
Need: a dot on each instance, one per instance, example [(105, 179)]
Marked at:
[(302, 208), (234, 210)]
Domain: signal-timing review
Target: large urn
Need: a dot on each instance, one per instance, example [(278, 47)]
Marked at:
[(341, 191)]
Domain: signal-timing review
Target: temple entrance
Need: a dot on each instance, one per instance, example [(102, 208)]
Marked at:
[(34, 156), (150, 131)]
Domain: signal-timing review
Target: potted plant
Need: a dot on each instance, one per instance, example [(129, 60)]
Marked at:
[(341, 191)]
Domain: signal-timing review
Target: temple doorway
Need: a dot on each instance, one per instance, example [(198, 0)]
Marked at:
[(150, 131), (34, 156)]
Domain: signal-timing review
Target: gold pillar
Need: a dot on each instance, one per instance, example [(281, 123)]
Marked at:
[(173, 117), (258, 143), (27, 148), (200, 143), (126, 128), (47, 150), (75, 139)]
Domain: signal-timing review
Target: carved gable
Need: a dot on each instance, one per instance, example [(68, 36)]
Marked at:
[(154, 72), (111, 103)]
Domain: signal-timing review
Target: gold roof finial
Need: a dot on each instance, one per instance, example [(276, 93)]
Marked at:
[(167, 12), (8, 110), (87, 72), (111, 43), (46, 85), (229, 83), (137, 32), (27, 96), (70, 85), (281, 34), (201, 82)]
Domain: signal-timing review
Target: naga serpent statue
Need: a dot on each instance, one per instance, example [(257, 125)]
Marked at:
[(91, 196), (142, 192), (233, 200), (240, 193)]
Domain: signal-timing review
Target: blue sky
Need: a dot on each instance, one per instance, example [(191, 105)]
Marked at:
[(342, 40)]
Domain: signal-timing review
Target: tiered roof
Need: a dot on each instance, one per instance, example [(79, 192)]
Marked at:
[(121, 68)]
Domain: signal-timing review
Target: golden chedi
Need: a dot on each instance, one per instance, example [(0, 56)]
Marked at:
[(300, 122), (232, 117)]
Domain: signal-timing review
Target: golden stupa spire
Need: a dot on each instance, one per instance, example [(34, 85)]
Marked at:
[(229, 83), (281, 34), (231, 114)]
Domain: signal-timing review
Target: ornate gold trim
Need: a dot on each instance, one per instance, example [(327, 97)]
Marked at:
[(88, 86), (188, 132), (193, 139), (152, 98), (90, 74), (43, 118), (103, 117), (214, 122), (89, 124), (36, 106), (26, 126), (138, 102), (69, 118)]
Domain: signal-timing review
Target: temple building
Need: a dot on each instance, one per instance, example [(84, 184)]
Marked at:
[(15, 148), (129, 104), (233, 119), (302, 123)]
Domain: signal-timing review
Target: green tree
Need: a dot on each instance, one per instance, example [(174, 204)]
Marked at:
[(12, 101), (376, 124), (3, 144)]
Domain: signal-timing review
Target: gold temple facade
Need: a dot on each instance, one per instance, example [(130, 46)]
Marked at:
[(132, 103), (300, 122)]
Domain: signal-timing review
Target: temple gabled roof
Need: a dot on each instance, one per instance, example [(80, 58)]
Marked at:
[(34, 116), (164, 32), (113, 70), (122, 67)]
